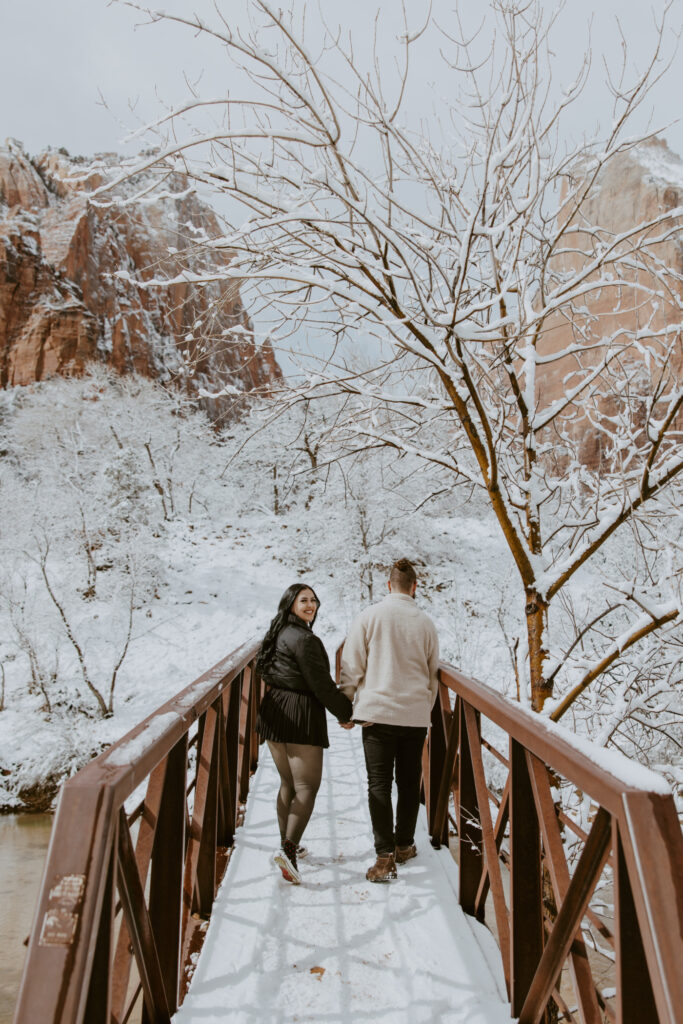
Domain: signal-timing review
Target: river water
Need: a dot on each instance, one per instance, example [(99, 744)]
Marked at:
[(24, 840)]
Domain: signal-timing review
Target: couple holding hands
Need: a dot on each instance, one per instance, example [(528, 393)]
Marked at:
[(388, 686)]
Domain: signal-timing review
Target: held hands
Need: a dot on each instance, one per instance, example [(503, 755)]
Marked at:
[(347, 725)]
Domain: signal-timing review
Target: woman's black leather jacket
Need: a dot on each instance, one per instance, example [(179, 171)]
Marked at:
[(301, 663)]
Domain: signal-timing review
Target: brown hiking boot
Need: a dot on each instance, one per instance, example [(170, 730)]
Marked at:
[(383, 869), (404, 853)]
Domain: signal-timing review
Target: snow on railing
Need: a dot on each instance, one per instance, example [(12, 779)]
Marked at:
[(627, 842)]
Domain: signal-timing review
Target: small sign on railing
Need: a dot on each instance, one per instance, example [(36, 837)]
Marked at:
[(61, 917)]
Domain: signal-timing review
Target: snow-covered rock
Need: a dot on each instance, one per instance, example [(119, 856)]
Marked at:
[(64, 302), (634, 189)]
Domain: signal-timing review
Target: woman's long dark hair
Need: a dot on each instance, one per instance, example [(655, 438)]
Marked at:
[(267, 651)]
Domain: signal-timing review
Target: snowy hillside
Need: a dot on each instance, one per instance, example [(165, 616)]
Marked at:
[(139, 547), (116, 497)]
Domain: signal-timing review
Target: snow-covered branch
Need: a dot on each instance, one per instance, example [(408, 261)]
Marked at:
[(521, 330)]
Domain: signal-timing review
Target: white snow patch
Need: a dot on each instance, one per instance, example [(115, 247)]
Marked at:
[(131, 749), (631, 774), (663, 165)]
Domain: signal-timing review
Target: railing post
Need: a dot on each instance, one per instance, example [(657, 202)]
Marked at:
[(197, 890), (586, 874), (225, 832), (55, 983), (438, 826), (255, 703), (206, 860), (98, 1007), (132, 895), (166, 883), (635, 999), (469, 825), (246, 732), (437, 767), (652, 846), (526, 886), (232, 739)]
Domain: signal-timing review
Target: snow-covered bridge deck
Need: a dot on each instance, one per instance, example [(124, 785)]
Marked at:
[(338, 948)]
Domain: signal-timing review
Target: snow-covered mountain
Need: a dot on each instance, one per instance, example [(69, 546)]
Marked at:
[(63, 301)]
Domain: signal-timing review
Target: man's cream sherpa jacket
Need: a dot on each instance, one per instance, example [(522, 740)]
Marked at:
[(389, 663)]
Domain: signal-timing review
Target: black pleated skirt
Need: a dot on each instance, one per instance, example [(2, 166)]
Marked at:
[(292, 716)]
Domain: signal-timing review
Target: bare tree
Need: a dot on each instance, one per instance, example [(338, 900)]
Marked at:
[(504, 317), (43, 666), (68, 629), (44, 678)]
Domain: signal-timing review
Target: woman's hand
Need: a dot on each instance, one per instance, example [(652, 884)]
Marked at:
[(347, 725)]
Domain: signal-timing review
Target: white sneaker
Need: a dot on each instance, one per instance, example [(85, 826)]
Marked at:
[(289, 871)]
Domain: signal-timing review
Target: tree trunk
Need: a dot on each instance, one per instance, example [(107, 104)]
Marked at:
[(536, 622)]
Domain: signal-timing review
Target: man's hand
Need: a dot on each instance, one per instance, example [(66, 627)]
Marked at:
[(347, 725)]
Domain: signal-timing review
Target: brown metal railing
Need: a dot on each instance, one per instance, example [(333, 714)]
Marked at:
[(514, 832), (126, 894)]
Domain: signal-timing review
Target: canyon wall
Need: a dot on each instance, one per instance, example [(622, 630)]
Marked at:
[(635, 188), (63, 301)]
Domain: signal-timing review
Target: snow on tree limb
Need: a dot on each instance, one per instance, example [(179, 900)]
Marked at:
[(529, 345)]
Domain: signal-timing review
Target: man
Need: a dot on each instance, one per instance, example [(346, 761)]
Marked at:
[(389, 669)]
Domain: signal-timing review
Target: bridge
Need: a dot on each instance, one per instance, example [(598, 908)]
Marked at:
[(572, 855)]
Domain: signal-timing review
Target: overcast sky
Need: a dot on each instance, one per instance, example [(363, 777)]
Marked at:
[(59, 58), (81, 74)]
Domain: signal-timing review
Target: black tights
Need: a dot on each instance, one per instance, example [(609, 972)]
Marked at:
[(300, 767)]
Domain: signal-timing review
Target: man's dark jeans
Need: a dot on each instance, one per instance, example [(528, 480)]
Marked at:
[(389, 747)]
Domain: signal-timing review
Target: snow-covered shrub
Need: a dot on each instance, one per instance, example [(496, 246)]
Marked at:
[(93, 471)]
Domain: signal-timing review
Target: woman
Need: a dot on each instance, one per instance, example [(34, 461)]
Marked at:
[(294, 664)]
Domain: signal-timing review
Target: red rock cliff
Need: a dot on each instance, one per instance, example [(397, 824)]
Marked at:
[(637, 187), (62, 305)]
